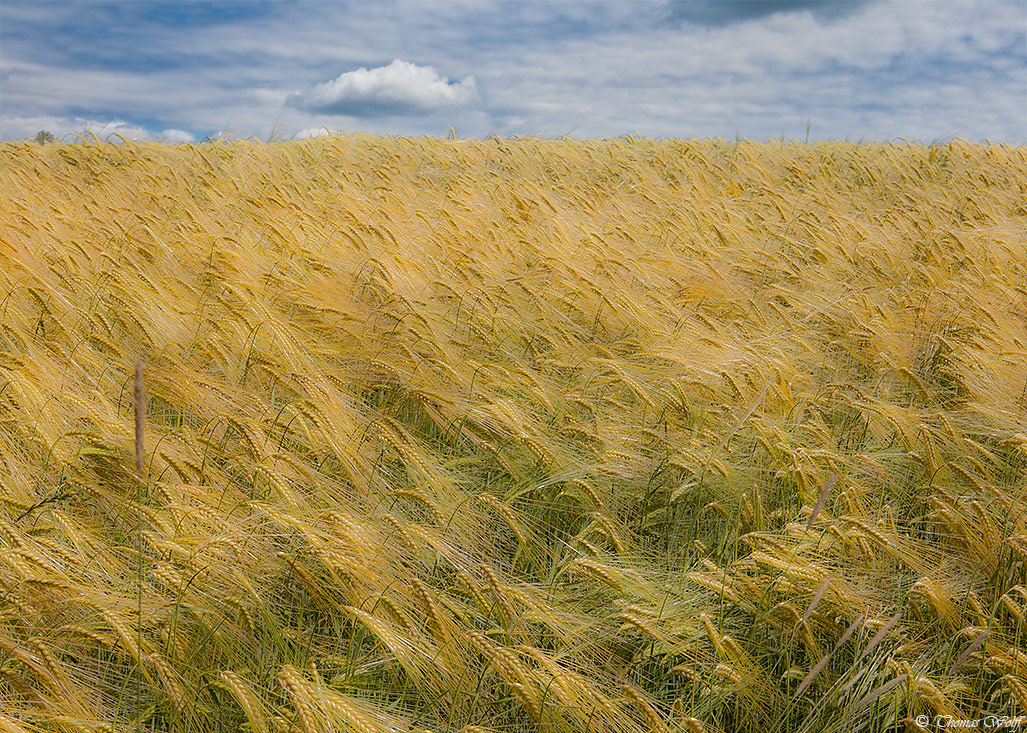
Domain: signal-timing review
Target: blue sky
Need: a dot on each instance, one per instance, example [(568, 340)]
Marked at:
[(926, 70)]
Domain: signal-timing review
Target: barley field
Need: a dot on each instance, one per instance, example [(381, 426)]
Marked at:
[(512, 435)]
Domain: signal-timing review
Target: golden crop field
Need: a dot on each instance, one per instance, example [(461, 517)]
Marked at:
[(512, 435)]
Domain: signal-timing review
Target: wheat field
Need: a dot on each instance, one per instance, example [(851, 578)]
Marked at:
[(512, 435)]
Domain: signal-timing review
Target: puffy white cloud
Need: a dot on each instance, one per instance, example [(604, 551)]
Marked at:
[(401, 88)]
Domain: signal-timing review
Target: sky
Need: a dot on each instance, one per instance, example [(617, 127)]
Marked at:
[(919, 70)]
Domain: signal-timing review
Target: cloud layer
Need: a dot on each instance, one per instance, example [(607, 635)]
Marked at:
[(870, 69), (727, 12)]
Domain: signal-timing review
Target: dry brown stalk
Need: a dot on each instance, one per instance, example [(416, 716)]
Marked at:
[(878, 692), (139, 404), (816, 600), (826, 657), (821, 500), (879, 636)]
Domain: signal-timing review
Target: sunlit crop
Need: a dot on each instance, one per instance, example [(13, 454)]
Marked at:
[(512, 435)]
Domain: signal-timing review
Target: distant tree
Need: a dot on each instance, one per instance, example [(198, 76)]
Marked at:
[(44, 136)]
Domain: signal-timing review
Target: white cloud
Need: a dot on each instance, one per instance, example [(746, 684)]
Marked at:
[(172, 135), (399, 88), (66, 128), (263, 95), (313, 132)]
